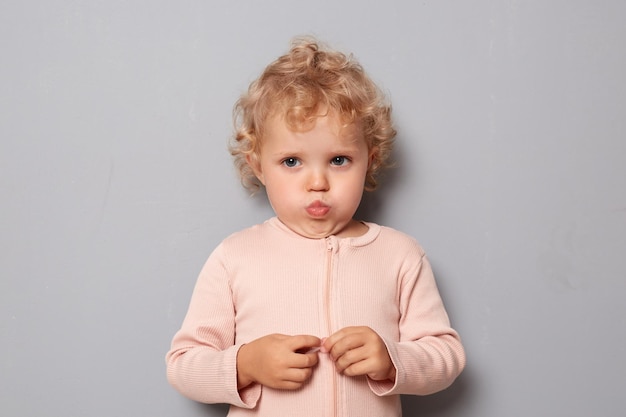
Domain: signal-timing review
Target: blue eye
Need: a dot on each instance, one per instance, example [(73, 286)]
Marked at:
[(339, 160), (291, 162)]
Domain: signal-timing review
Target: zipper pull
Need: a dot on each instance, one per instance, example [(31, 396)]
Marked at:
[(330, 243)]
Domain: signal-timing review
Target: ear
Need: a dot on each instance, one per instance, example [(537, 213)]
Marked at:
[(255, 164), (373, 153)]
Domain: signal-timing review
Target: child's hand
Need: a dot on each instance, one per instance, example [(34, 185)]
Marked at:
[(277, 361), (360, 351)]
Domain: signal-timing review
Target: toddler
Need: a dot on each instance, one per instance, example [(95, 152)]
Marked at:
[(314, 313)]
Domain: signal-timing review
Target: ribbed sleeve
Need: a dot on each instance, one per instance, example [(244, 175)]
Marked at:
[(202, 363)]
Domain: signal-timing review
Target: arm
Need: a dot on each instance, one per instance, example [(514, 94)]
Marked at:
[(202, 361), (429, 355)]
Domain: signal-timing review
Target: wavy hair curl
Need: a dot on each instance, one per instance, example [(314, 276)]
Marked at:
[(308, 79)]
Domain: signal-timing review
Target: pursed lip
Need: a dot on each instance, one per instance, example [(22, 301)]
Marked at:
[(317, 209)]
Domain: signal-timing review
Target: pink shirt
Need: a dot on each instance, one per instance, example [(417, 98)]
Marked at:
[(267, 279)]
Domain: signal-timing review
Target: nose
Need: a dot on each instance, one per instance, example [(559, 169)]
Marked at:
[(318, 180)]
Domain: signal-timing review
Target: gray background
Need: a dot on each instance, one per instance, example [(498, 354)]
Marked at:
[(116, 185)]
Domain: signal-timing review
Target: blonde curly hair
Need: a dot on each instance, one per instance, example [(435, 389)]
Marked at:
[(308, 79)]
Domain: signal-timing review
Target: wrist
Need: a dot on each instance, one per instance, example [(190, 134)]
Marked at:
[(392, 374), (243, 379)]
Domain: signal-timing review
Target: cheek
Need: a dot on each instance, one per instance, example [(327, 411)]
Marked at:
[(278, 189), (274, 183), (360, 178), (353, 188)]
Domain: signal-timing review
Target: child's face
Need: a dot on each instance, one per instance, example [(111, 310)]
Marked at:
[(314, 179)]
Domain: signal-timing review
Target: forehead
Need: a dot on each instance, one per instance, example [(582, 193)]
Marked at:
[(329, 126)]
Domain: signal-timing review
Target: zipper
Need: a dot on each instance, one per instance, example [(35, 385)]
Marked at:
[(330, 247)]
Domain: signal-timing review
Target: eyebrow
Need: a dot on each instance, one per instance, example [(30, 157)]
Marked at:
[(283, 154)]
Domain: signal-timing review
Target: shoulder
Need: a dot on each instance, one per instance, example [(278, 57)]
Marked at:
[(246, 242), (250, 236), (399, 240)]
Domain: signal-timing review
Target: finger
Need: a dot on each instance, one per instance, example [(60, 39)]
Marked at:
[(305, 360), (372, 369), (363, 361), (293, 379), (329, 342), (357, 362), (298, 375), (358, 368), (323, 345), (346, 345), (287, 385), (304, 343), (349, 358)]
